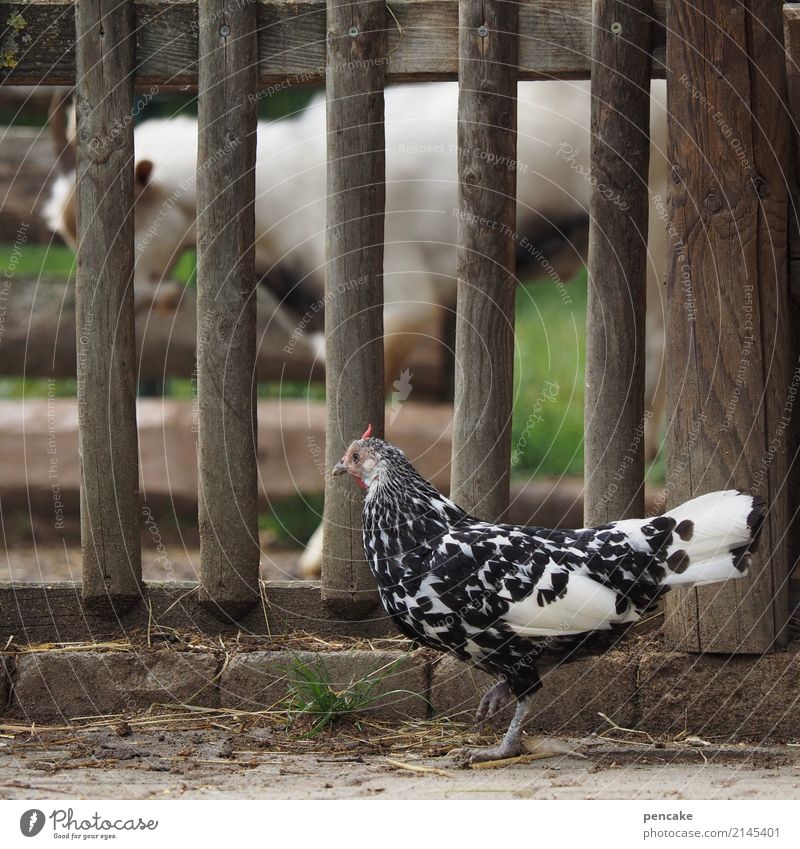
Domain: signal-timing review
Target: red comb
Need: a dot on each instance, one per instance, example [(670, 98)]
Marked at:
[(368, 432)]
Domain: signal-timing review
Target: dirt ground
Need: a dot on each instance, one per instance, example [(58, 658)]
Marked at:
[(109, 762)]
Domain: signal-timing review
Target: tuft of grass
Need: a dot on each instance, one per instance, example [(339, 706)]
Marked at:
[(311, 694)]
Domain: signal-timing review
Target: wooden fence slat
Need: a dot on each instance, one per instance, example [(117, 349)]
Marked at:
[(106, 342), (353, 281), (615, 321), (487, 176), (292, 41), (226, 306), (727, 321)]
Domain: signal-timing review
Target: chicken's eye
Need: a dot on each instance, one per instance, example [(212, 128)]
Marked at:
[(355, 456)]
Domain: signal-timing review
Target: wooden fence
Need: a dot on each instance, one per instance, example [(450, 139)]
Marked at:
[(728, 334)]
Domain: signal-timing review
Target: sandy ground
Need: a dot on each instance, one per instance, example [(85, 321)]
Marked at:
[(215, 763)]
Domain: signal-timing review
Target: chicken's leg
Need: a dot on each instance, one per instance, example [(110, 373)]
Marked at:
[(494, 699), (511, 746)]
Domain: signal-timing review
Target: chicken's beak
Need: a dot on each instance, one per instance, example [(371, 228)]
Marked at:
[(339, 469)]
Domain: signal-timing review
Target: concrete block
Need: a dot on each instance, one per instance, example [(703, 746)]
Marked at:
[(716, 696), (52, 686), (570, 701), (5, 682)]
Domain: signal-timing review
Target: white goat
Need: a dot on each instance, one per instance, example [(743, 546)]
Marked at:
[(553, 185)]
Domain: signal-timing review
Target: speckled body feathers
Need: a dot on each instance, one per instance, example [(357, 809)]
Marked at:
[(516, 600)]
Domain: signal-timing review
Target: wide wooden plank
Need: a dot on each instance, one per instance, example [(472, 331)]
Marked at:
[(726, 291), (422, 41), (615, 322)]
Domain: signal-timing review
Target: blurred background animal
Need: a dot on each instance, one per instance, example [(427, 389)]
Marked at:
[(553, 185)]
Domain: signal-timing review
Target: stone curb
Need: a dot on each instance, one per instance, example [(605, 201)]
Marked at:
[(61, 686), (261, 680), (716, 695), (663, 693), (569, 702)]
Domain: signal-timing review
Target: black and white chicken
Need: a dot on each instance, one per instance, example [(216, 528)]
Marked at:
[(514, 600)]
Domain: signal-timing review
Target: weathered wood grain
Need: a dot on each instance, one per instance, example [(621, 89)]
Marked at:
[(555, 41), (487, 124), (615, 322), (353, 280), (226, 307), (726, 288), (112, 569)]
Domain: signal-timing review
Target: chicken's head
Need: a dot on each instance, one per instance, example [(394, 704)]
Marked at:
[(362, 459)]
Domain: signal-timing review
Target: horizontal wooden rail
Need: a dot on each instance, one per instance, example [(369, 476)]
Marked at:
[(421, 36), (38, 338), (728, 323), (40, 613)]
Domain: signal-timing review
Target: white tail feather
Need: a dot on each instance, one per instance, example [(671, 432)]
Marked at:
[(722, 524)]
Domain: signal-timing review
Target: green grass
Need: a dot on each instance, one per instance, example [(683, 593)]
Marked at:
[(34, 261), (547, 429), (292, 520), (311, 694)]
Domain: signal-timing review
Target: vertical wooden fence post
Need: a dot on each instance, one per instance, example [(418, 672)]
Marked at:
[(112, 569), (353, 281), (727, 322), (226, 305), (487, 176), (615, 352)]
